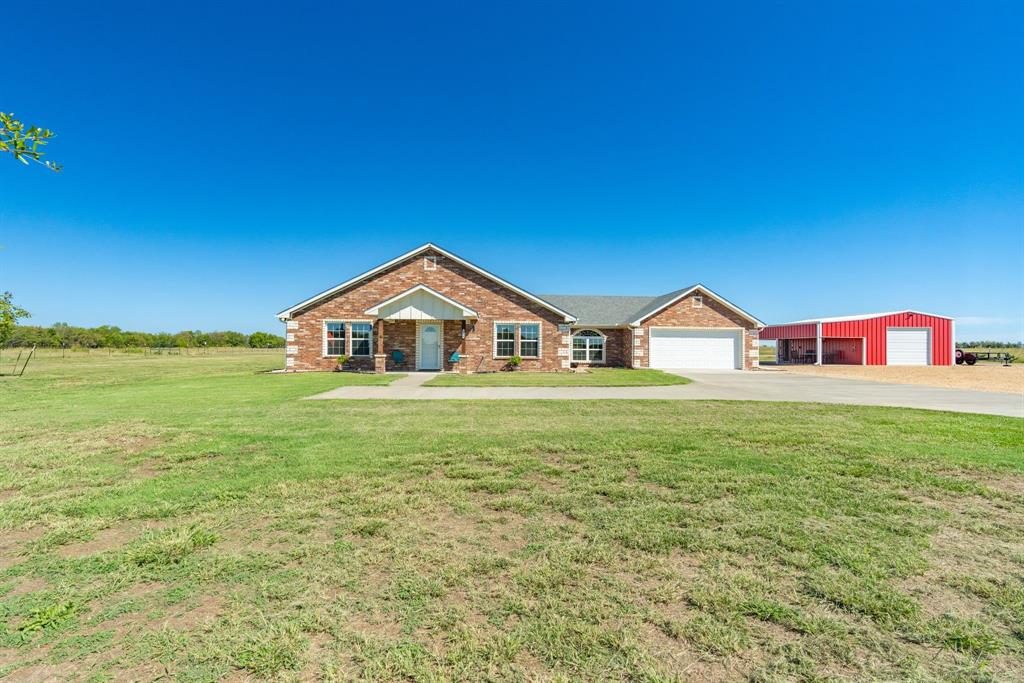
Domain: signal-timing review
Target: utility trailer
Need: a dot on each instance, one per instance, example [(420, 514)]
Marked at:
[(972, 357)]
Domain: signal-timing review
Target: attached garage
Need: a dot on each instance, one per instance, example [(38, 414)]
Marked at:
[(690, 328), (896, 338), (705, 349)]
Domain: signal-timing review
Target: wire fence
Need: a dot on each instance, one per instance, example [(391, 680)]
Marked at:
[(80, 352)]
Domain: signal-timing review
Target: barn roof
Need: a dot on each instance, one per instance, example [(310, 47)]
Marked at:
[(862, 316)]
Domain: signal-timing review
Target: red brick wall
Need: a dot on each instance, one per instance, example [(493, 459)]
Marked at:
[(711, 314), (491, 301), (400, 335)]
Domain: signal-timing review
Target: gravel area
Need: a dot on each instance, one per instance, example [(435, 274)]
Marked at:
[(987, 377)]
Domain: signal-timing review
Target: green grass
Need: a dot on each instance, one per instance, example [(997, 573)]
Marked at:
[(596, 377), (190, 519)]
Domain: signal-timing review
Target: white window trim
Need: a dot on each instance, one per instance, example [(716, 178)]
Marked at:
[(698, 301), (604, 346), (430, 262), (348, 338), (516, 345), (323, 334)]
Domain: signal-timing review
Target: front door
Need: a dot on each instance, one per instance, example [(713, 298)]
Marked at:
[(429, 356)]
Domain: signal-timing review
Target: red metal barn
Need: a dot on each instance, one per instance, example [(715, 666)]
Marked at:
[(897, 338)]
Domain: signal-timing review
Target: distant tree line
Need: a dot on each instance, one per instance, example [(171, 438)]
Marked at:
[(62, 335), (991, 344)]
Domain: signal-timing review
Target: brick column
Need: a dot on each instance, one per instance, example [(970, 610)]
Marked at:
[(640, 337), (564, 350), (380, 359)]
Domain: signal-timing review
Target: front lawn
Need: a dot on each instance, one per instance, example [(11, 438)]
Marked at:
[(194, 520), (597, 377)]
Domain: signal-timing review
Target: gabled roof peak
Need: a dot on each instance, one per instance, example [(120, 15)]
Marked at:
[(287, 313)]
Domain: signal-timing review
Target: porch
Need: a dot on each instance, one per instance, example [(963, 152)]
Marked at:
[(421, 330), (420, 345), (833, 350)]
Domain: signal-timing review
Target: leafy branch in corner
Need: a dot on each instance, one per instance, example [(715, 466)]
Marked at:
[(24, 141)]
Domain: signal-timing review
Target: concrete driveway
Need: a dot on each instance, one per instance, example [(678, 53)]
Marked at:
[(717, 385)]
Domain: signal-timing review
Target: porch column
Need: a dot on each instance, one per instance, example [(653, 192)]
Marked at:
[(817, 355), (380, 358), (468, 325)]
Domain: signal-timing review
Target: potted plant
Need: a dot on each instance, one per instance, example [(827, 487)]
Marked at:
[(514, 362), (340, 367)]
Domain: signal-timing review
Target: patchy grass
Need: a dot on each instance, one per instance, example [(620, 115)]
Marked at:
[(596, 377), (191, 519)]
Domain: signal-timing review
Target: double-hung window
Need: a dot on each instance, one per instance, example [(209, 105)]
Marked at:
[(588, 347), (334, 342), (359, 334), (361, 338), (526, 343), (504, 340), (529, 340)]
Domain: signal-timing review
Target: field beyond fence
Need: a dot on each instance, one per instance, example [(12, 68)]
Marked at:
[(13, 359), (139, 351)]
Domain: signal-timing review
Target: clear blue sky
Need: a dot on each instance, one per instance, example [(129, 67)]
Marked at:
[(803, 159)]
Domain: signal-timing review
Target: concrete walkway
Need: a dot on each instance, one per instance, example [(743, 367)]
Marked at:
[(720, 385)]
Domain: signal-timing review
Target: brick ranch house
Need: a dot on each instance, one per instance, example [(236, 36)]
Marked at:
[(441, 312)]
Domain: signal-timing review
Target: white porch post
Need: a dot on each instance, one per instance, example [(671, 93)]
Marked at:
[(952, 342), (817, 355)]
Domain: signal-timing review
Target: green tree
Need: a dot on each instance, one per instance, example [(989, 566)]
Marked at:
[(234, 338), (10, 314), (23, 142), (265, 340)]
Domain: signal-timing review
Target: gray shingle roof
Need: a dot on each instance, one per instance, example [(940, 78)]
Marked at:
[(608, 310)]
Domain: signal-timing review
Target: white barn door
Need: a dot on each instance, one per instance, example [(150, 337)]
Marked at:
[(908, 346)]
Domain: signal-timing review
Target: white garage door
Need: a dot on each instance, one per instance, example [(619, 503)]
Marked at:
[(907, 346), (711, 349)]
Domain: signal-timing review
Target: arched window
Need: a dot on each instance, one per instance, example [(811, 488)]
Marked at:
[(588, 346)]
